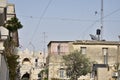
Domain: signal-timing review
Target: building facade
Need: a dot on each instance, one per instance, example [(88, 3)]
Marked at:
[(56, 49), (104, 56), (7, 11), (31, 64), (4, 70), (10, 13)]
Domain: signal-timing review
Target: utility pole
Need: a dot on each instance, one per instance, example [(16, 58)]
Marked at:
[(118, 50), (101, 19), (118, 54)]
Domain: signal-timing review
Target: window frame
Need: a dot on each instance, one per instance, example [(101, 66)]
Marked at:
[(83, 50), (105, 54)]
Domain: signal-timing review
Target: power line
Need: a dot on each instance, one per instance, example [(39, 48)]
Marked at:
[(40, 19), (71, 19), (63, 18), (102, 14), (104, 17), (66, 19), (111, 13), (92, 25)]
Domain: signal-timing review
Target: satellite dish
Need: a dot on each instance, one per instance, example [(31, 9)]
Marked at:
[(93, 37)]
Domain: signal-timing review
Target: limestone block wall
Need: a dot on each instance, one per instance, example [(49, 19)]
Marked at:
[(4, 72)]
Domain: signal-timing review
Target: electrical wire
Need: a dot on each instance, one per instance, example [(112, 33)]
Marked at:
[(111, 13), (92, 25), (104, 17), (40, 19), (65, 19), (70, 19)]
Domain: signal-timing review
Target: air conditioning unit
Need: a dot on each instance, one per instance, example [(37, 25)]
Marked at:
[(115, 75)]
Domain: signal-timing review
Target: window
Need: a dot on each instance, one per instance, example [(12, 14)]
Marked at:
[(105, 54), (83, 50), (36, 62), (61, 73), (59, 48)]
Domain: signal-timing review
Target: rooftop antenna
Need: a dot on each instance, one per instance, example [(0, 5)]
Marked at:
[(101, 20), (44, 48)]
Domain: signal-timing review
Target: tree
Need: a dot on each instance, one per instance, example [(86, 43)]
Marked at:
[(11, 56), (76, 65), (10, 46), (43, 74), (12, 63), (13, 24)]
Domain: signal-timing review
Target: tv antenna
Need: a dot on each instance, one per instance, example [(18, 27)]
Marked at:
[(44, 46)]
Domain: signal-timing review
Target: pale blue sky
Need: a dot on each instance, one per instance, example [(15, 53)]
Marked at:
[(65, 20)]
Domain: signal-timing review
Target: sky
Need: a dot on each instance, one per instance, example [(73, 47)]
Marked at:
[(65, 20)]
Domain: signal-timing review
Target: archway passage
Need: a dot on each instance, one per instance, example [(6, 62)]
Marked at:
[(25, 60), (39, 76), (26, 76)]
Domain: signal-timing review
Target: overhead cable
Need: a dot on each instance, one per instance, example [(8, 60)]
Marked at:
[(40, 19)]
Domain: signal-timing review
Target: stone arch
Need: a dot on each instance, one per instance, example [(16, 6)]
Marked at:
[(26, 60), (26, 76)]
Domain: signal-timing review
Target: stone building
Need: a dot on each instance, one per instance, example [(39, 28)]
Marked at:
[(4, 71), (104, 56), (31, 64), (54, 61), (10, 13), (7, 11)]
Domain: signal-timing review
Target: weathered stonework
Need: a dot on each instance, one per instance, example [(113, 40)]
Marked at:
[(104, 54)]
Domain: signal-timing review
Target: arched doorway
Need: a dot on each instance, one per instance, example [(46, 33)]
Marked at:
[(26, 76), (39, 76)]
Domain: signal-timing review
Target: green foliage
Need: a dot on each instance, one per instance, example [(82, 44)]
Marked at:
[(45, 78), (77, 65), (11, 58), (12, 63), (56, 79), (13, 24), (43, 74), (9, 46)]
